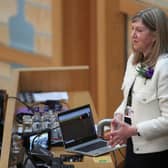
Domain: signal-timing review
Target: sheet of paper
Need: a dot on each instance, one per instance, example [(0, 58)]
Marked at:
[(44, 96), (103, 159)]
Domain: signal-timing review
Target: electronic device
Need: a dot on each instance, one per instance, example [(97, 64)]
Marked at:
[(41, 138), (22, 111), (79, 133), (71, 157), (41, 157), (3, 103)]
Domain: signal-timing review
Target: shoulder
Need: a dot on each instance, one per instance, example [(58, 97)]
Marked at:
[(130, 58), (161, 68), (130, 62), (162, 63)]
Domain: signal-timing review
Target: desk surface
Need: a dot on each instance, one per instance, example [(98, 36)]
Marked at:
[(46, 80), (88, 162), (78, 98)]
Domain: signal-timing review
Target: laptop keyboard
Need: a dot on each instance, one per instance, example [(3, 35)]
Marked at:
[(92, 147)]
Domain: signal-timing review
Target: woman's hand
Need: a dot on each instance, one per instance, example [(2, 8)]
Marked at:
[(120, 132), (119, 117)]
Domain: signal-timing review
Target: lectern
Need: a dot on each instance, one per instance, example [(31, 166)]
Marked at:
[(73, 79)]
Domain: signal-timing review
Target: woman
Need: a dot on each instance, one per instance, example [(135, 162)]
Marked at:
[(145, 88)]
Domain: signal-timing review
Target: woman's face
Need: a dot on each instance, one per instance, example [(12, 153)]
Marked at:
[(142, 38)]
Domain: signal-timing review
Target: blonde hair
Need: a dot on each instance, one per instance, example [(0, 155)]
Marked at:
[(156, 21)]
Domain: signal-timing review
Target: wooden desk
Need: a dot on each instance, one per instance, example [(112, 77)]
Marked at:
[(88, 162), (75, 99), (74, 80)]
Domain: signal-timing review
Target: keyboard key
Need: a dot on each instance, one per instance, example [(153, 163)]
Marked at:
[(92, 147)]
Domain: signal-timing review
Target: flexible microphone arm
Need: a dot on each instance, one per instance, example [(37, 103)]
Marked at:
[(101, 125)]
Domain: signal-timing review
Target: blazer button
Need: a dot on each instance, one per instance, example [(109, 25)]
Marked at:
[(137, 149)]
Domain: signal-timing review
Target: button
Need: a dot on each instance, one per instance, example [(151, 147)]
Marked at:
[(137, 149)]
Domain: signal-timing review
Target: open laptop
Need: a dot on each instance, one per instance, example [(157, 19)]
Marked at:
[(79, 133)]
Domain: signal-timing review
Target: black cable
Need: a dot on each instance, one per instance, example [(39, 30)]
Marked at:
[(50, 103), (25, 161), (115, 159), (30, 107), (22, 102), (29, 157), (19, 116), (121, 153)]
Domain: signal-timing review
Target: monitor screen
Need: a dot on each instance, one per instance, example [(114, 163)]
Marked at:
[(78, 119), (42, 139)]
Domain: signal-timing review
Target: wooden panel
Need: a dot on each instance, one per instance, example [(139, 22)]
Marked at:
[(76, 32), (115, 55), (57, 29), (12, 55), (49, 79), (131, 7), (111, 56), (101, 58), (93, 51), (9, 82)]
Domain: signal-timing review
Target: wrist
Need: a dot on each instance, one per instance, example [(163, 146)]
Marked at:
[(118, 116), (136, 132)]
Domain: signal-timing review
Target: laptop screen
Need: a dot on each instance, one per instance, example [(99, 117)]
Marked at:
[(77, 125)]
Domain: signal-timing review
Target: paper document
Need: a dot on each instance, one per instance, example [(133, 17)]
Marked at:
[(44, 96)]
